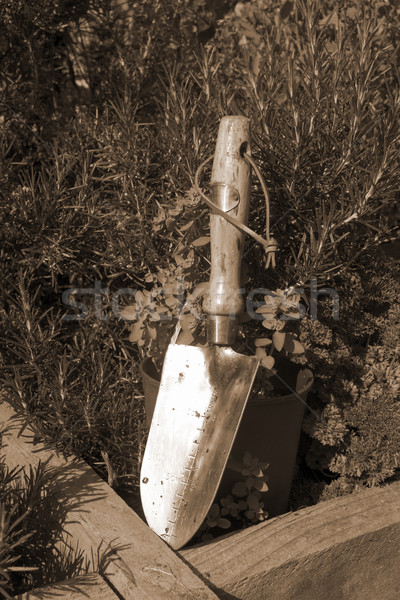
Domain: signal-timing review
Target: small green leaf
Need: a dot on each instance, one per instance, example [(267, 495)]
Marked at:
[(130, 313), (268, 362), (213, 512), (201, 241), (137, 331), (260, 485), (286, 9), (154, 316), (262, 342), (249, 460), (223, 523), (187, 226), (239, 489), (292, 345), (171, 301), (291, 316), (201, 289), (273, 324), (135, 336), (139, 297), (278, 339), (298, 347), (256, 472), (185, 337), (266, 310), (260, 353), (152, 332), (242, 505), (170, 223)]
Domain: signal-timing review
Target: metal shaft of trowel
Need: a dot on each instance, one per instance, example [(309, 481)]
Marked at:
[(230, 184)]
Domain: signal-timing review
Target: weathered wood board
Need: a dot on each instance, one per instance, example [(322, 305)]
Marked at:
[(87, 587), (343, 549), (144, 567)]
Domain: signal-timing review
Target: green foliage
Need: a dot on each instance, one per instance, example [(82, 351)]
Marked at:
[(173, 291), (32, 518), (87, 55), (77, 388), (319, 81), (244, 506), (81, 182), (352, 430), (100, 141), (278, 307)]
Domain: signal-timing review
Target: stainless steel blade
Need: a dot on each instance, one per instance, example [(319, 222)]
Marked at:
[(201, 400)]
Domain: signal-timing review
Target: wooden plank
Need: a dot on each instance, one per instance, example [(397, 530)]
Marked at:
[(86, 587), (144, 566), (345, 549)]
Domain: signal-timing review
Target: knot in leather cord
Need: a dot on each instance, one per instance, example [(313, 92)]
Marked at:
[(271, 248)]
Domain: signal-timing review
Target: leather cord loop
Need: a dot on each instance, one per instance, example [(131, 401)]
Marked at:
[(270, 244)]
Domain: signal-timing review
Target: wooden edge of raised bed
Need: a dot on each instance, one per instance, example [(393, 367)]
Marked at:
[(144, 566), (90, 587), (347, 548)]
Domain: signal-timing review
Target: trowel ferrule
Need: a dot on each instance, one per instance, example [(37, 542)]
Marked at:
[(221, 330)]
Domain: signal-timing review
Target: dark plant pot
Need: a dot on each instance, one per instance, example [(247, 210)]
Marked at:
[(151, 382), (269, 430)]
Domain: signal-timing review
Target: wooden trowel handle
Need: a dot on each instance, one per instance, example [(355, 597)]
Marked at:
[(230, 184)]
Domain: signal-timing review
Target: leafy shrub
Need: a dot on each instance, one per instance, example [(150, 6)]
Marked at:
[(86, 55), (33, 518), (244, 506), (320, 84), (352, 429), (95, 172), (78, 389), (100, 141)]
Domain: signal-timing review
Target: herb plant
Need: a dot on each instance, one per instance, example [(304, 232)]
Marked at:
[(244, 506), (33, 516), (99, 144)]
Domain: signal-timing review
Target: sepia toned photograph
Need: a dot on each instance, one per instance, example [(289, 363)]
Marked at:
[(200, 299)]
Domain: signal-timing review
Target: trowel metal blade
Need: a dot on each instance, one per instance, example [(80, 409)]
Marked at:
[(200, 403)]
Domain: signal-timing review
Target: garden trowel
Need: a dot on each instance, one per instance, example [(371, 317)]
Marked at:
[(203, 390)]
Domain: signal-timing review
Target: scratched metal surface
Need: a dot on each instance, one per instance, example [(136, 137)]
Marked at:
[(202, 396)]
